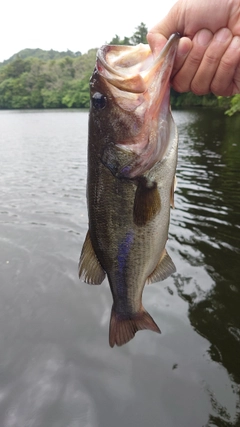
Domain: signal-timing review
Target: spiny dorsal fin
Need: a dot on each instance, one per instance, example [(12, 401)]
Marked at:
[(164, 269), (147, 202), (89, 268)]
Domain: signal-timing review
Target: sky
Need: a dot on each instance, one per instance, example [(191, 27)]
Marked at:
[(77, 25)]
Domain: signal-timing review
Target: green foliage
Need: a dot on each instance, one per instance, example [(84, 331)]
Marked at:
[(16, 68), (56, 83), (13, 94), (51, 98), (77, 94), (140, 36), (234, 105), (117, 41), (224, 101), (45, 55), (190, 99)]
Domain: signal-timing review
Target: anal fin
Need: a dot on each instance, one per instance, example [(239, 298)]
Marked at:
[(89, 268), (164, 268)]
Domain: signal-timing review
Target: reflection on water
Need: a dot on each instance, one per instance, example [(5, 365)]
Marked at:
[(56, 368), (209, 209)]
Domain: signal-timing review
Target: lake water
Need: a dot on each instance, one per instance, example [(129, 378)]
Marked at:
[(56, 367)]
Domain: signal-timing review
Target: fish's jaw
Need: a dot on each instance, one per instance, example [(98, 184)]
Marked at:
[(122, 66), (153, 145), (144, 97)]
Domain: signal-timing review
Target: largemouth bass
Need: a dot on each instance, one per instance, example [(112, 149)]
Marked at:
[(132, 157)]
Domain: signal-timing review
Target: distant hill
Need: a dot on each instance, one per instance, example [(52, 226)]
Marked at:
[(45, 55), (34, 78)]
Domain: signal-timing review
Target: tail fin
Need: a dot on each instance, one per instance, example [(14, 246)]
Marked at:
[(123, 329)]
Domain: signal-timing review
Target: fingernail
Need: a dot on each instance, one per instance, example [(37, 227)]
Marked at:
[(203, 37), (222, 35), (235, 43)]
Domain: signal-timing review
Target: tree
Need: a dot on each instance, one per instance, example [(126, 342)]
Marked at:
[(17, 67), (115, 40), (140, 35), (234, 105)]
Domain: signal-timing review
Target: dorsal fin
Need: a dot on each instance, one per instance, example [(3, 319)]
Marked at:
[(164, 269), (89, 268)]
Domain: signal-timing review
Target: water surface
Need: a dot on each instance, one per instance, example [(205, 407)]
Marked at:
[(56, 368)]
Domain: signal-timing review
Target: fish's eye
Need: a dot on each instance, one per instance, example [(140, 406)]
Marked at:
[(99, 101)]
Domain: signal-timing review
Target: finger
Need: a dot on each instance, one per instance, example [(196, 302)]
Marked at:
[(156, 42), (169, 25), (226, 81), (166, 26), (201, 82), (182, 80), (184, 47)]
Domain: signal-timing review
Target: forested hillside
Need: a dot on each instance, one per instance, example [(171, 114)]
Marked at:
[(54, 83), (35, 78), (45, 55)]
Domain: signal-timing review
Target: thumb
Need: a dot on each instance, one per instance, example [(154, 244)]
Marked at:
[(160, 33), (156, 42)]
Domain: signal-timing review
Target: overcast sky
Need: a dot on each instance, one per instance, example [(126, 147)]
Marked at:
[(78, 25)]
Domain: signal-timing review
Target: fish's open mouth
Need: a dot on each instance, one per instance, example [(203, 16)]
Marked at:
[(139, 84), (133, 68)]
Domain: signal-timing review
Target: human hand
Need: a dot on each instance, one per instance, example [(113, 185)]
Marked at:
[(208, 56)]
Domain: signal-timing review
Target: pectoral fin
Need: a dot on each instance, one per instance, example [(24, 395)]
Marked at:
[(147, 202), (89, 268), (164, 269)]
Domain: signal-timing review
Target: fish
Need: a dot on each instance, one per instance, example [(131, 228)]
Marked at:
[(132, 159)]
